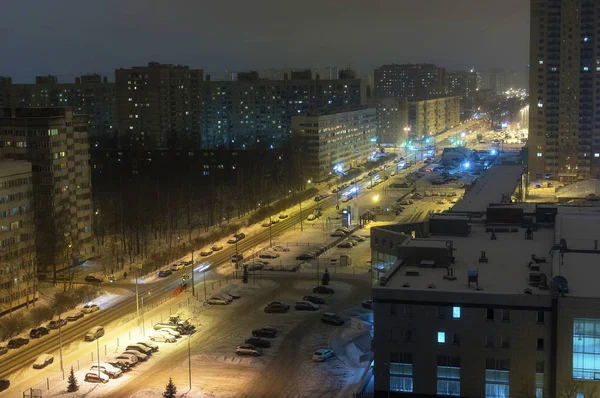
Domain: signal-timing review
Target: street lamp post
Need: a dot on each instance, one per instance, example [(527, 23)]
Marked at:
[(189, 361), (301, 217), (204, 273), (270, 232), (193, 285)]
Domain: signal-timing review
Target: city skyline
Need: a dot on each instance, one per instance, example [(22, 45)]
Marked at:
[(106, 36)]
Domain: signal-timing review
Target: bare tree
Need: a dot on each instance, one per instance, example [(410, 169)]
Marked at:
[(569, 389)]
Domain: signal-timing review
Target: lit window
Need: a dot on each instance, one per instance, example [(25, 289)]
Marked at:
[(448, 376), (585, 69), (540, 105), (541, 62), (586, 39), (597, 155), (456, 312), (441, 337), (401, 374), (497, 378), (539, 154)]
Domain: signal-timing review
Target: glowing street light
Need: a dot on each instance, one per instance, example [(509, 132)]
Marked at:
[(376, 198)]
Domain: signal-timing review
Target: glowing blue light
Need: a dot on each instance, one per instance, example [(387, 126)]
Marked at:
[(271, 146), (493, 152), (467, 164), (427, 140)]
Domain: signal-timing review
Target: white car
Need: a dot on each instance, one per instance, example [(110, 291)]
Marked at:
[(88, 309), (169, 332), (280, 248), (338, 234), (43, 361), (127, 359), (344, 230), (112, 371), (248, 349), (357, 238), (217, 301), (322, 355), (163, 337), (311, 217), (268, 254), (176, 267)]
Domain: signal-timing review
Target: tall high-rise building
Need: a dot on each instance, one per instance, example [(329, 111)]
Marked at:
[(91, 95), (257, 113), (159, 105), (415, 82), (462, 83), (56, 143), (564, 130), (17, 240), (392, 121)]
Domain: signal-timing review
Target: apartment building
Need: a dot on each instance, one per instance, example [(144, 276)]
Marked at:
[(330, 144), (564, 128), (392, 121), (91, 95), (434, 115), (414, 82), (55, 142), (463, 84), (254, 113), (159, 106), (464, 306), (17, 235)]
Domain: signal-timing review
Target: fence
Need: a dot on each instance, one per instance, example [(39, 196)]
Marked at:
[(137, 331)]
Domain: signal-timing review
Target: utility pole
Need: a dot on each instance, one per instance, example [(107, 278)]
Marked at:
[(193, 285), (60, 340), (236, 250), (143, 327), (98, 354), (318, 280), (270, 232), (204, 285), (190, 361), (137, 294), (301, 217)]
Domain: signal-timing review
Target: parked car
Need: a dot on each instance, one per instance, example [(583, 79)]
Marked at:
[(127, 359), (176, 267), (236, 258), (305, 256), (323, 290), (268, 254), (232, 241), (55, 324), (357, 238), (254, 266), (311, 217), (265, 332), (94, 333), (139, 348), (205, 253), (38, 332), (332, 319), (17, 342), (230, 296), (74, 317), (345, 245), (248, 349), (280, 248), (89, 308), (121, 365), (338, 234), (140, 355), (216, 247), (306, 306), (169, 332), (43, 361), (258, 342), (217, 301), (442, 202), (314, 299), (283, 216), (322, 355), (221, 296), (111, 371), (96, 377), (165, 273), (154, 347), (367, 304), (92, 278), (239, 236), (170, 326), (163, 337), (277, 306), (4, 384), (266, 224)]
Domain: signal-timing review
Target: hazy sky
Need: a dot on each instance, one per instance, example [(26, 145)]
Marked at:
[(71, 37)]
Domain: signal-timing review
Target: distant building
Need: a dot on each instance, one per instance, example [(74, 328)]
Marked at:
[(17, 235), (332, 144), (500, 80), (564, 128), (474, 309), (463, 84), (392, 121), (56, 143), (415, 82), (91, 95), (257, 113), (159, 105), (433, 116)]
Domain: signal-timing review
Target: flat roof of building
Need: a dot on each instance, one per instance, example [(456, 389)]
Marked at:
[(489, 187), (506, 272)]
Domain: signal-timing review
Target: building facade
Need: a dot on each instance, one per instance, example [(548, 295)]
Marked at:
[(392, 121), (414, 82), (90, 95), (334, 143), (564, 129), (459, 313), (463, 84), (159, 106), (258, 113), (17, 235), (56, 143), (432, 116)]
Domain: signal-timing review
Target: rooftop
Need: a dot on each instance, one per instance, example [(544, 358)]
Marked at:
[(506, 271), (495, 182)]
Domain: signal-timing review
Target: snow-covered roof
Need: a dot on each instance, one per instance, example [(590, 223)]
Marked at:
[(579, 189), (494, 182)]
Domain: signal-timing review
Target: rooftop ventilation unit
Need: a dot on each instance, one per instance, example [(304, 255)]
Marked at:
[(473, 277)]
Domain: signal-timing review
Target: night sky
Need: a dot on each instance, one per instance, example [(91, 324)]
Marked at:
[(72, 37)]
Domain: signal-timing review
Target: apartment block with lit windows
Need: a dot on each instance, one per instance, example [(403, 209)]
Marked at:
[(17, 239), (415, 82), (159, 106), (466, 307), (56, 143), (564, 124), (392, 121), (334, 143), (429, 117)]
